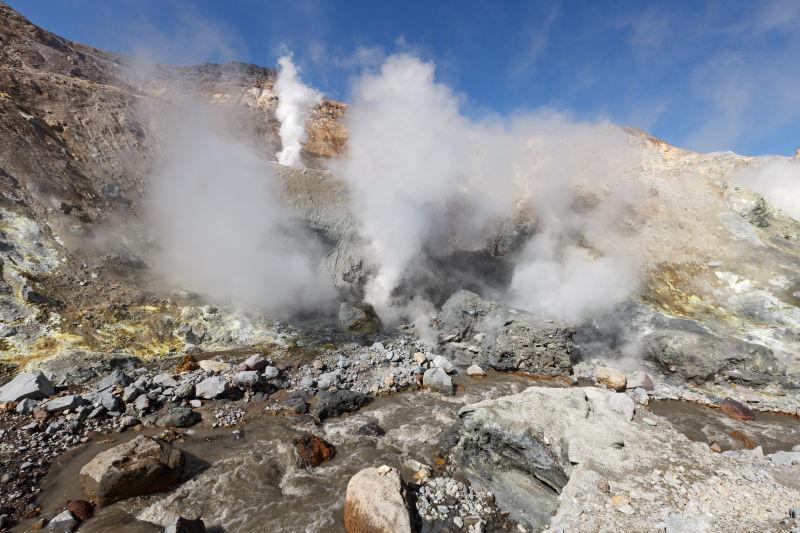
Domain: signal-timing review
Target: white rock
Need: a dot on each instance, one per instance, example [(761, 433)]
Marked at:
[(211, 387), (211, 365), (376, 502), (475, 370)]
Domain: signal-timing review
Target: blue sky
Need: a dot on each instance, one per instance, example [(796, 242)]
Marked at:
[(703, 75)]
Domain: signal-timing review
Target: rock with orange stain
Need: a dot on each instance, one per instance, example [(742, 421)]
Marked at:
[(313, 451), (736, 410), (376, 502)]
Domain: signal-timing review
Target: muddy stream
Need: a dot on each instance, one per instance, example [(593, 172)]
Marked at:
[(250, 482)]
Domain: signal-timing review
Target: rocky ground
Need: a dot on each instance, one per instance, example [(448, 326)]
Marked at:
[(573, 462)]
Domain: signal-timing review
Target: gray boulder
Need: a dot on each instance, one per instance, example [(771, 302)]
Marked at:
[(165, 381), (130, 393), (699, 356), (33, 385), (109, 401), (64, 522), (211, 388), (271, 373), (437, 380), (56, 405), (26, 406), (513, 339), (117, 377), (76, 367), (249, 379), (184, 390), (359, 318), (179, 417), (524, 447)]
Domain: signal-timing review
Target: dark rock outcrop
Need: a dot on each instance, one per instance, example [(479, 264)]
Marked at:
[(513, 339), (359, 318), (339, 402)]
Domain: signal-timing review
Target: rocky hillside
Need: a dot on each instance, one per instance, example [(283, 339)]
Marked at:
[(76, 147)]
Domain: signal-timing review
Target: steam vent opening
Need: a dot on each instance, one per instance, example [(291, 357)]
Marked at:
[(372, 278)]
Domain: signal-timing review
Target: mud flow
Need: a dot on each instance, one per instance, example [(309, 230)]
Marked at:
[(700, 423), (251, 479)]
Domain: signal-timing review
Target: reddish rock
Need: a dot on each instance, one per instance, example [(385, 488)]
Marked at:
[(40, 414), (612, 378), (736, 410), (744, 438), (313, 451), (81, 509), (187, 364), (7, 407)]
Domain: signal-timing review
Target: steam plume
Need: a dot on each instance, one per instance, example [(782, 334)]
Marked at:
[(218, 216), (420, 172), (294, 102), (778, 181)]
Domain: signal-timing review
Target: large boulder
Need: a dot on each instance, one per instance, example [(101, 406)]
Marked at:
[(179, 417), (580, 459), (359, 318), (211, 388), (699, 356), (512, 339), (375, 502), (523, 447), (436, 379), (76, 367), (34, 385), (56, 405), (144, 465), (339, 402)]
